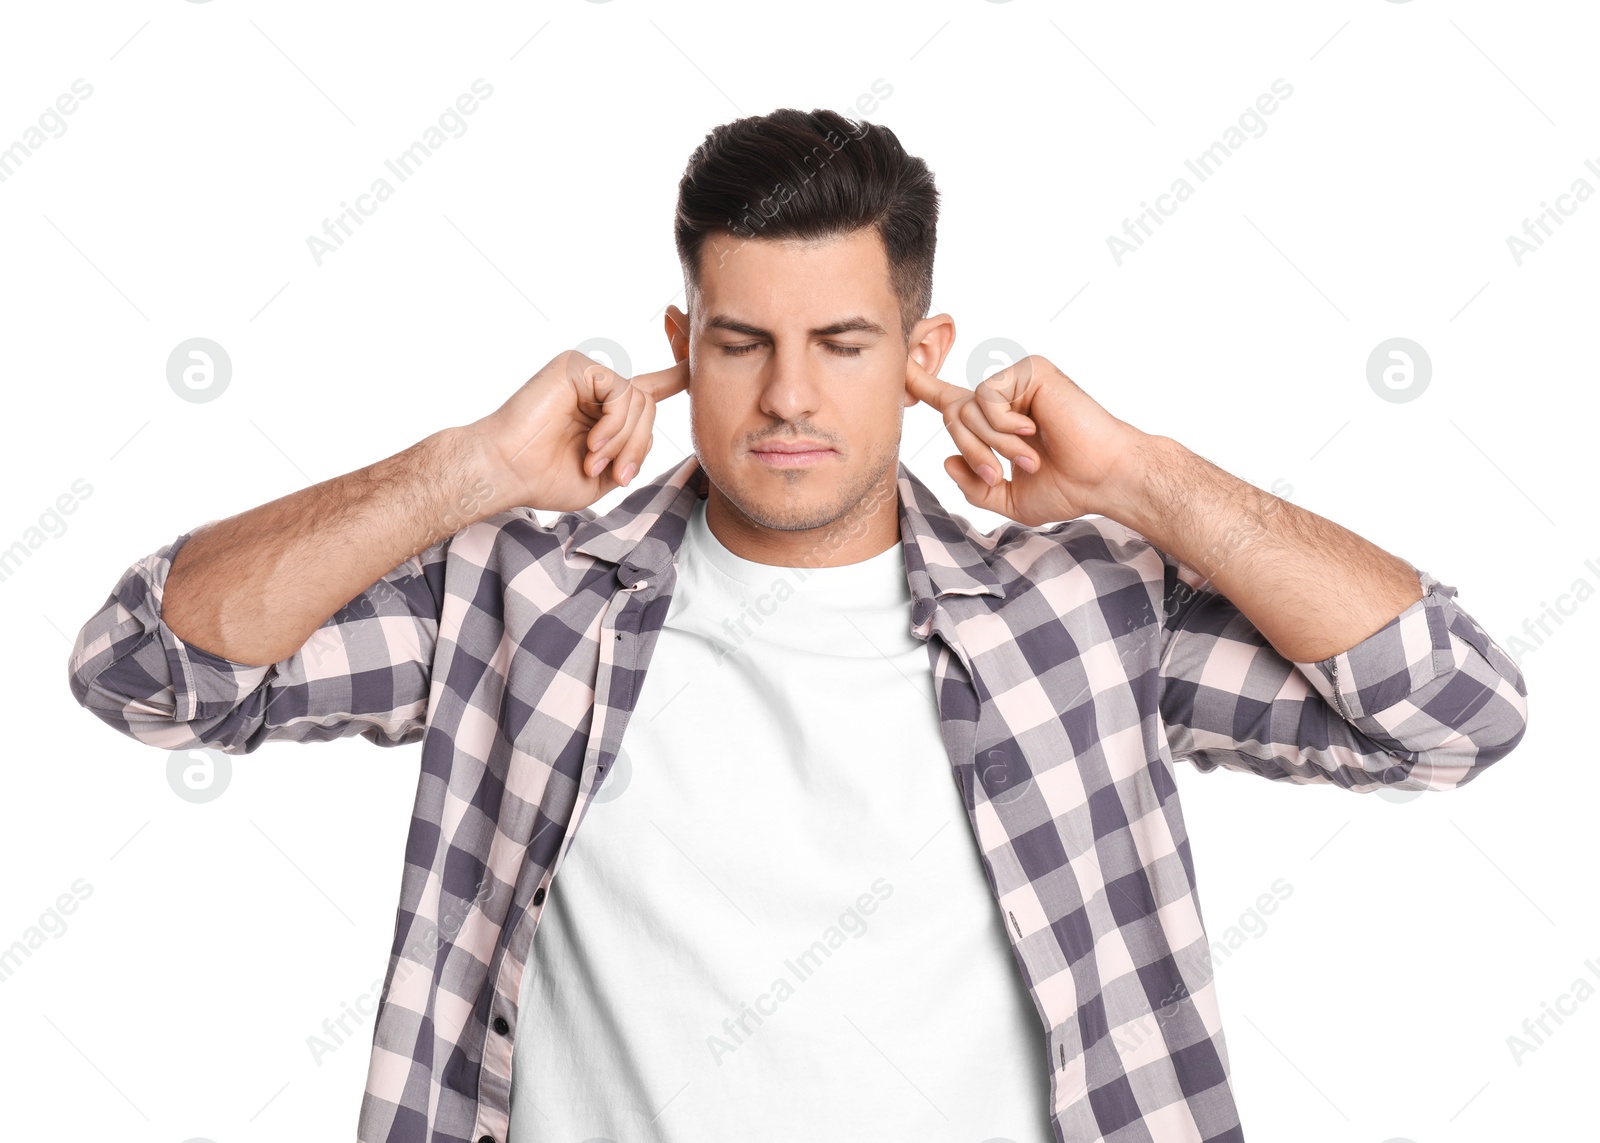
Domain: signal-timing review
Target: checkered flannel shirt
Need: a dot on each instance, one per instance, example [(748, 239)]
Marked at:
[(1073, 665)]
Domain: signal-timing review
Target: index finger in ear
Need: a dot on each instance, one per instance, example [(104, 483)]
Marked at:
[(925, 387), (663, 383)]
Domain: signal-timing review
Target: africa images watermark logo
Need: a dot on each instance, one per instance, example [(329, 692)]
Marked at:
[(52, 124), (1136, 231), (1538, 230), (451, 124), (852, 922)]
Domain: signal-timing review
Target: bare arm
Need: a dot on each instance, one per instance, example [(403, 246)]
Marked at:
[(1288, 645), (317, 616), (1312, 587), (253, 588)]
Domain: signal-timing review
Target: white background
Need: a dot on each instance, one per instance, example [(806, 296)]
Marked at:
[(1378, 1001)]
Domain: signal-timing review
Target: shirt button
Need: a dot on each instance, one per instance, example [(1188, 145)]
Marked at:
[(486, 1139), (501, 1026), (538, 895)]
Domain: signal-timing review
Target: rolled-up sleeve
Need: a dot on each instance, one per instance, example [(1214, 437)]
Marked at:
[(366, 670), (1426, 702)]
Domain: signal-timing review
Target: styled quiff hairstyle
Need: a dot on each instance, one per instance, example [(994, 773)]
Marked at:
[(817, 175)]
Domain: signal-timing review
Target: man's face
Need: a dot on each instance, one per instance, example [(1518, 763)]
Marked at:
[(796, 345)]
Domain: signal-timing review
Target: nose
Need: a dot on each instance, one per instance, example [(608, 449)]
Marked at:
[(791, 390)]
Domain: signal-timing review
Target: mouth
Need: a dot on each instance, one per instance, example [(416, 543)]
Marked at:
[(792, 454)]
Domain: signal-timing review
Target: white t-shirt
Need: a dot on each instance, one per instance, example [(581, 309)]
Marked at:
[(774, 922)]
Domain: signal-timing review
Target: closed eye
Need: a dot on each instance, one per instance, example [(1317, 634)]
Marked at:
[(749, 347)]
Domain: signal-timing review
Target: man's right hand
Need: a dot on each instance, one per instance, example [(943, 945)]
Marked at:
[(573, 432)]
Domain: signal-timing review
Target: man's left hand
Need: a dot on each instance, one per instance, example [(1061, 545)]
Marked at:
[(1070, 457)]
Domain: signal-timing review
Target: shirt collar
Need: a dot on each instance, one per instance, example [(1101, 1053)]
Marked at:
[(642, 533)]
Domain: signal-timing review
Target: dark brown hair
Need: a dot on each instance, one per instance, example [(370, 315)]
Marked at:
[(797, 174)]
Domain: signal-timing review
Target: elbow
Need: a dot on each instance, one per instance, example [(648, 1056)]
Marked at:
[(1469, 752), (127, 684), (1489, 721), (1501, 725), (151, 719), (1495, 749)]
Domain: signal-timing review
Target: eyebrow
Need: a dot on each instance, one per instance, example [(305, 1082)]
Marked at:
[(853, 324)]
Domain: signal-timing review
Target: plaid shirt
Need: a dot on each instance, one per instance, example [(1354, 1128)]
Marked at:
[(1073, 664)]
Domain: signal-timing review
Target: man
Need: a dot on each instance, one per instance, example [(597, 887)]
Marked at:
[(766, 680)]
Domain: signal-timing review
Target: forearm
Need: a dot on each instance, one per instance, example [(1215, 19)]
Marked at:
[(1313, 588), (254, 587)]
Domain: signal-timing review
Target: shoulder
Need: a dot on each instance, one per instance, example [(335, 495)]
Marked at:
[(1097, 578), (1094, 551), (514, 551)]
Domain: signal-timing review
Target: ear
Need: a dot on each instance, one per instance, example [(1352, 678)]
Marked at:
[(931, 339), (677, 327)]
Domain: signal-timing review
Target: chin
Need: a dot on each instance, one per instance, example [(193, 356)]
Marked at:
[(794, 499), (808, 508)]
